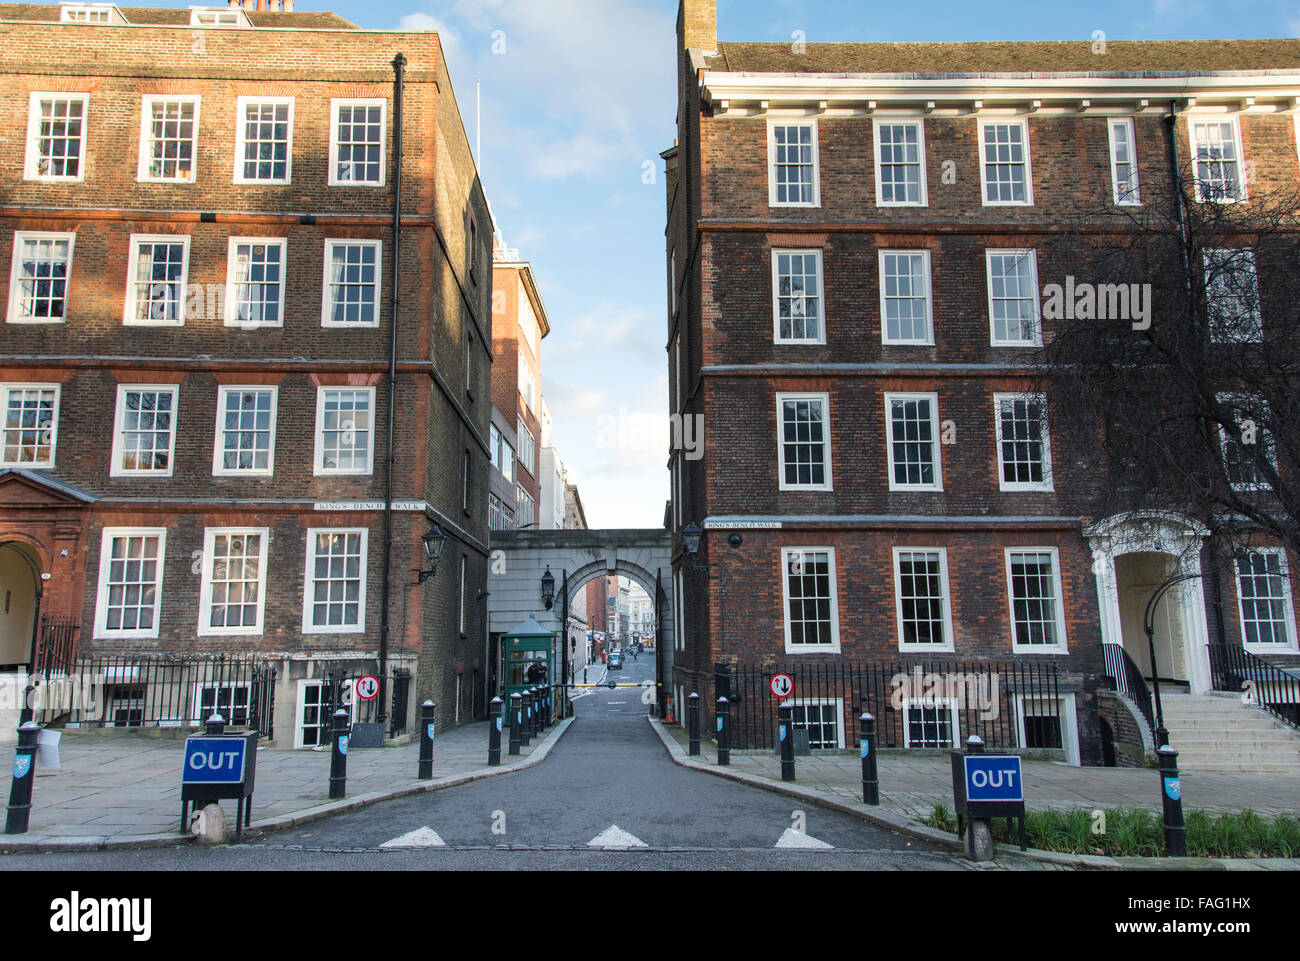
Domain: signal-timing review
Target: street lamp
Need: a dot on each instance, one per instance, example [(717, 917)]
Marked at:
[(548, 588), (1148, 624), (434, 541), (692, 535)]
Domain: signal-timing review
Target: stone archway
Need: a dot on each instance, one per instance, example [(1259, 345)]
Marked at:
[(1132, 555)]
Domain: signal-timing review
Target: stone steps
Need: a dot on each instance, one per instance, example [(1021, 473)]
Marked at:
[(1223, 734)]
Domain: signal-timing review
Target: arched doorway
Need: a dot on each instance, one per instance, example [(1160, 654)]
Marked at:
[(20, 570)]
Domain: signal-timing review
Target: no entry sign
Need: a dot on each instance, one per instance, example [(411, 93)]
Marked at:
[(367, 687), (782, 685)]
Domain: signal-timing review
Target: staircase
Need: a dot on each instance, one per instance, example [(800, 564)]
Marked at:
[(11, 693), (1217, 732)]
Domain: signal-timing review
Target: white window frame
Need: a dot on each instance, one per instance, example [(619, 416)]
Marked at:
[(834, 646), (198, 720), (327, 299), (464, 586), (1265, 436), (836, 704), (954, 719), (777, 253), (119, 421), (210, 535), (526, 379), (919, 123), (31, 157), (1032, 255), (146, 138), (101, 600), (15, 280), (1134, 198), (1221, 254), (97, 14), (309, 581), (218, 17), (1243, 187), (1288, 601), (1047, 483), (218, 445), (137, 240), (240, 142), (1062, 642), (1029, 164), (346, 702), (1067, 714), (772, 124), (529, 446), (948, 646), (5, 388), (232, 282), (825, 400), (382, 104), (928, 341), (318, 468), (935, 443)]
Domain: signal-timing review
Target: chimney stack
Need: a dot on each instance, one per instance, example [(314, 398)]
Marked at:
[(234, 4), (700, 25), (288, 6)]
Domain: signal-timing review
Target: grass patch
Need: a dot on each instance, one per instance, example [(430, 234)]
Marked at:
[(1137, 832)]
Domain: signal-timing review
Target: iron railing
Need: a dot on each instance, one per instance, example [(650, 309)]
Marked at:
[(158, 690), (1275, 690), (341, 693), (57, 649), (916, 704), (1129, 681)]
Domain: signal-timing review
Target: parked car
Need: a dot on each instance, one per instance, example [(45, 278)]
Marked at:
[(615, 661)]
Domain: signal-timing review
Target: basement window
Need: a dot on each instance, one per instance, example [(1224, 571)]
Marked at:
[(218, 17)]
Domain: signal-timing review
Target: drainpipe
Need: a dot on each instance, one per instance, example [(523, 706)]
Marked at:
[(399, 76)]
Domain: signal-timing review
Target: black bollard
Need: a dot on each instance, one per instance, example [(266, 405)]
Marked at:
[(494, 733), (20, 792), (526, 727), (537, 711), (427, 722), (339, 756), (867, 743), (216, 726), (1171, 794), (724, 732), (693, 724), (786, 724), (516, 722)]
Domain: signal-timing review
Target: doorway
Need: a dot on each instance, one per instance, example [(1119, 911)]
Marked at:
[(1137, 577), (19, 568)]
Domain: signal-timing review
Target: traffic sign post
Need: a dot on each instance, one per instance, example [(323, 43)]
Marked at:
[(219, 767), (693, 724), (339, 756), (986, 786)]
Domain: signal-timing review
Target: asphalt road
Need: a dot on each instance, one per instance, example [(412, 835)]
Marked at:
[(608, 784)]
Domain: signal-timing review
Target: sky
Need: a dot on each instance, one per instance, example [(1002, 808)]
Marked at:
[(578, 101)]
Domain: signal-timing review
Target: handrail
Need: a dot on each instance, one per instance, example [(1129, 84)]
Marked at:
[(1129, 680), (1233, 668)]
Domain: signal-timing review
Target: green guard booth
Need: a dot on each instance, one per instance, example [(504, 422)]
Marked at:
[(530, 659)]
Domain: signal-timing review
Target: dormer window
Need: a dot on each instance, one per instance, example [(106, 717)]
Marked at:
[(90, 13), (218, 17)]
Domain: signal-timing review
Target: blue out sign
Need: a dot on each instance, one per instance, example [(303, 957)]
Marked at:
[(214, 760), (993, 778)]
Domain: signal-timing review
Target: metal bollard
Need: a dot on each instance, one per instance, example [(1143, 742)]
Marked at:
[(216, 726), (526, 727), (538, 697), (867, 743), (20, 792), (339, 756), (544, 717), (786, 723), (516, 722), (1171, 794), (427, 723), (494, 733), (724, 732), (693, 724)]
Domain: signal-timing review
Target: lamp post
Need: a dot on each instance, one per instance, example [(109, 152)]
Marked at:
[(1148, 624)]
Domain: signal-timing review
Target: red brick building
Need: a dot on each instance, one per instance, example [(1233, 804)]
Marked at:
[(207, 292), (858, 240)]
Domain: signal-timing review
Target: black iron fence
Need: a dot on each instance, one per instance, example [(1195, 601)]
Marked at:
[(158, 691), (394, 694), (1129, 681), (916, 704), (57, 649), (1259, 682)]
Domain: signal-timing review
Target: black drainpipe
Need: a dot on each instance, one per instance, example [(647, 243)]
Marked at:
[(399, 72)]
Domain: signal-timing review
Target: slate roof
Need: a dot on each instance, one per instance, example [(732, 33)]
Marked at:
[(174, 17)]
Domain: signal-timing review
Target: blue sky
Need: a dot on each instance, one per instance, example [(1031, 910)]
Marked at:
[(579, 99)]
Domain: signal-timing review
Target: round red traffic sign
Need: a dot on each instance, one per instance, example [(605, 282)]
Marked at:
[(367, 687), (782, 685)]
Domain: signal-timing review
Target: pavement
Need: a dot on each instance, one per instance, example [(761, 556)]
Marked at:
[(911, 784), (124, 791)]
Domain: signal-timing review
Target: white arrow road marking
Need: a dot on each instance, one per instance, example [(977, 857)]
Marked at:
[(419, 838), (793, 839), (615, 837)]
